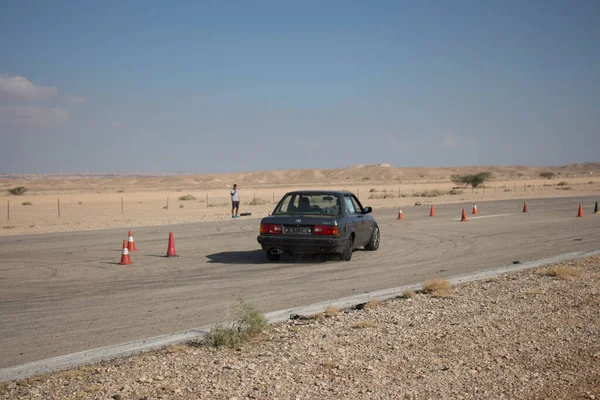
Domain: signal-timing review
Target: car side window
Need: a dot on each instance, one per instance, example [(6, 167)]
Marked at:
[(349, 205), (293, 205), (357, 205), (287, 205)]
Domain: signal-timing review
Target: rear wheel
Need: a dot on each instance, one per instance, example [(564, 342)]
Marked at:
[(272, 257), (373, 243), (347, 254)]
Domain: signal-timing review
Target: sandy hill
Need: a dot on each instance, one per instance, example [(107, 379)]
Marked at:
[(372, 173)]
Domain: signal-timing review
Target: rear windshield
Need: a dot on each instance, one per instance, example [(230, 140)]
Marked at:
[(301, 203)]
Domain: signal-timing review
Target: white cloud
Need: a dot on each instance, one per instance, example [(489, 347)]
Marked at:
[(31, 116), (71, 99), (450, 140), (20, 87)]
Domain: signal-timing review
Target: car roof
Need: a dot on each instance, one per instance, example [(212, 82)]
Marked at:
[(330, 192)]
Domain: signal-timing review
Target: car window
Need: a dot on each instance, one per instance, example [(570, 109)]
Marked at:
[(349, 205), (309, 203), (287, 204), (356, 205)]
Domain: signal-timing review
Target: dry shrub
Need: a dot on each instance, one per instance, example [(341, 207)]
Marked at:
[(564, 272), (534, 291), (331, 311), (408, 293), (364, 324), (78, 372), (17, 191), (249, 323), (329, 364), (219, 205), (316, 317), (177, 348), (257, 202), (382, 195), (430, 193), (371, 304), (223, 336), (186, 197), (26, 203), (437, 287)]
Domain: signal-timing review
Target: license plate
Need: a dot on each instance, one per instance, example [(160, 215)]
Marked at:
[(302, 230)]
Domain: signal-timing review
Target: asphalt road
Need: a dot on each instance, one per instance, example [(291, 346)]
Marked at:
[(65, 292)]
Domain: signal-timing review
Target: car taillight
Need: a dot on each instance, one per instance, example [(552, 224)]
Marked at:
[(270, 228), (326, 230)]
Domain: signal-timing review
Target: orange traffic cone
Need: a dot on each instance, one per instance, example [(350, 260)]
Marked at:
[(525, 208), (432, 212), (171, 250), (131, 243), (580, 212), (463, 218), (125, 260), (400, 216), (474, 209)]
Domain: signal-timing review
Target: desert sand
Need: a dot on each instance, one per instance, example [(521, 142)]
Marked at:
[(99, 201)]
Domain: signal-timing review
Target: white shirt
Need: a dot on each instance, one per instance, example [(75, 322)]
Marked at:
[(234, 195)]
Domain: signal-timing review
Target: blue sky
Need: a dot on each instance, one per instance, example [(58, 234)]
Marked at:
[(225, 86)]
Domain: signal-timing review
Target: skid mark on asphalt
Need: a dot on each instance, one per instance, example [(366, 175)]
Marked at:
[(484, 216)]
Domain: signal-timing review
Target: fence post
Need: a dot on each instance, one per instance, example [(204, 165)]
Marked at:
[(121, 205), (515, 186), (273, 197), (8, 210), (167, 203), (206, 199), (58, 204)]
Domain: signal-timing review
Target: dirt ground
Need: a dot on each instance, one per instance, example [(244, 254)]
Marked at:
[(527, 335), (96, 202)]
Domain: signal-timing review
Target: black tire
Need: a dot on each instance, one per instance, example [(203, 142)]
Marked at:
[(373, 243), (272, 257), (347, 254)]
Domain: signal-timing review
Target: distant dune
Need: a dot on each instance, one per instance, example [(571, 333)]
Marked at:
[(361, 173)]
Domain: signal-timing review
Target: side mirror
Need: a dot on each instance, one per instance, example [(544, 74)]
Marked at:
[(367, 210)]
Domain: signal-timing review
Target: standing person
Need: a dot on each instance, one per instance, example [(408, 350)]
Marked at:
[(235, 202)]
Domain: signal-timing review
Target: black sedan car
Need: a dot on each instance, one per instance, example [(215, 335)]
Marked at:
[(310, 222)]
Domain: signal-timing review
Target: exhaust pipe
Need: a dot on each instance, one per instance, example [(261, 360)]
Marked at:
[(276, 251)]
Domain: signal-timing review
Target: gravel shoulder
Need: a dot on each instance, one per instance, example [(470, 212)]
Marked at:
[(525, 335)]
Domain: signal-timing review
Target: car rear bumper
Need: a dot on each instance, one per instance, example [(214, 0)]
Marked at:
[(303, 244)]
